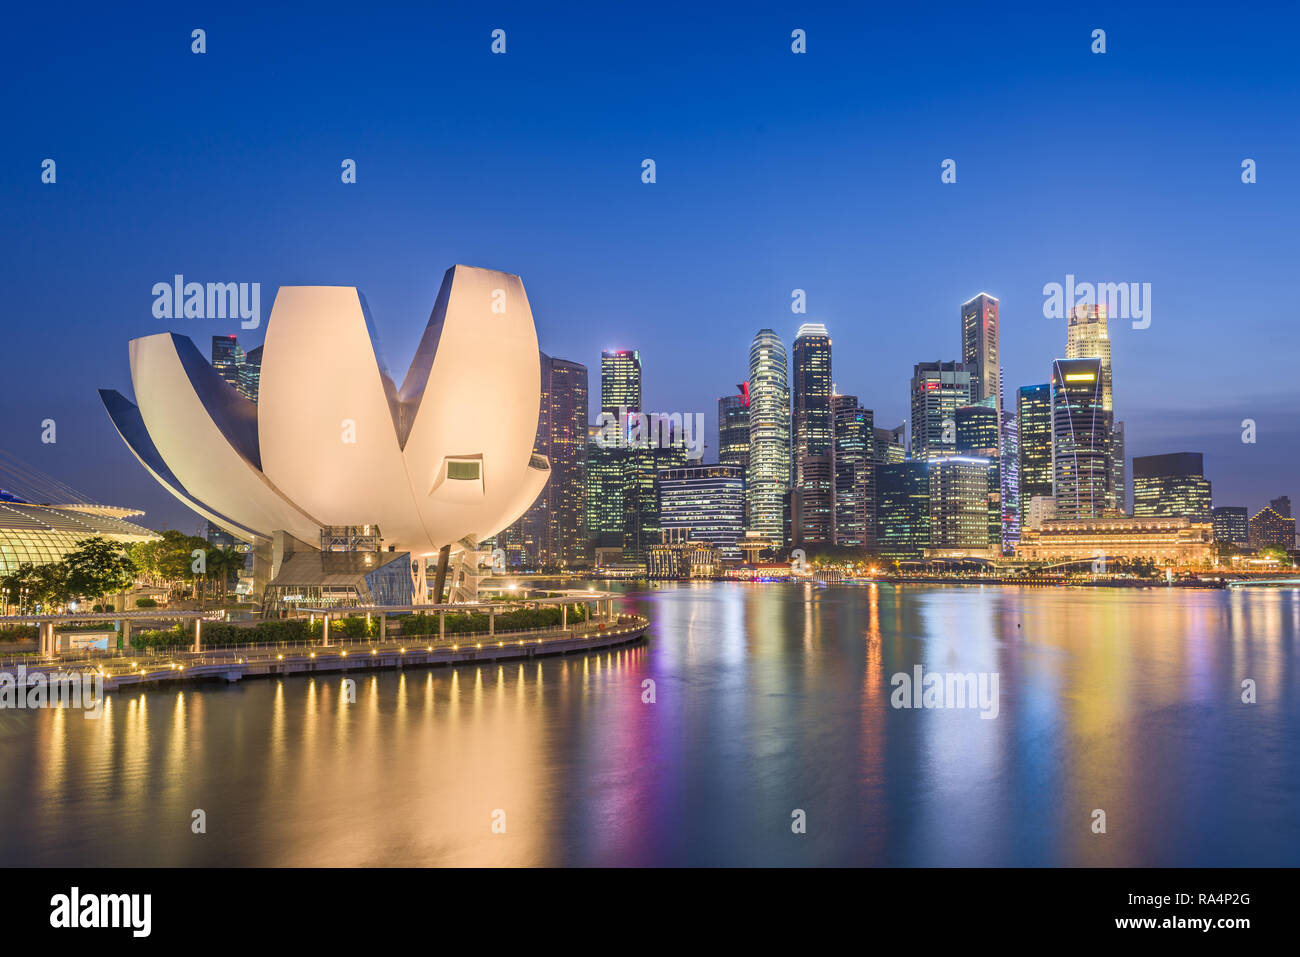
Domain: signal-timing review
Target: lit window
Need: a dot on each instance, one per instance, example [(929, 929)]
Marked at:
[(462, 471)]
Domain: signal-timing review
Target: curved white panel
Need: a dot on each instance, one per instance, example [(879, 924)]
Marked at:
[(325, 426), (463, 412), (196, 450)]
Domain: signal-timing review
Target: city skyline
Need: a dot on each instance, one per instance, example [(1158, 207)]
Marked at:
[(871, 235)]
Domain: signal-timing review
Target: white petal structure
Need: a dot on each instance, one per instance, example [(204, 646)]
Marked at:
[(332, 440)]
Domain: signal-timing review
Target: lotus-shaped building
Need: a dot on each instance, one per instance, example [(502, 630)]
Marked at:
[(331, 440)]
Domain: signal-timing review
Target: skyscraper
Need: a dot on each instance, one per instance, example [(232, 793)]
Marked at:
[(620, 380), (227, 357), (959, 503), (854, 492), (979, 349), (733, 429), (708, 501), (1087, 337), (1171, 486), (903, 509), (812, 435), (554, 529), (768, 479), (1231, 524), (1010, 453), (1034, 424), (939, 389), (1081, 434), (890, 445), (1281, 505)]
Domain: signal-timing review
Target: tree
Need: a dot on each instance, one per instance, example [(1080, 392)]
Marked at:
[(29, 585), (97, 567)]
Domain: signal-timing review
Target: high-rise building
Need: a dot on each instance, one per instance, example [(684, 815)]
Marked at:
[(903, 509), (620, 380), (977, 428), (1118, 475), (939, 389), (705, 502), (812, 436), (979, 349), (890, 445), (606, 476), (1281, 505), (768, 479), (1081, 432), (855, 473), (959, 503), (1087, 337), (553, 532), (1171, 485), (1270, 527), (227, 357), (1034, 425), (733, 429), (1231, 525), (1010, 459)]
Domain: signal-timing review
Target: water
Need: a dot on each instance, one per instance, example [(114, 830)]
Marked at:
[(769, 698)]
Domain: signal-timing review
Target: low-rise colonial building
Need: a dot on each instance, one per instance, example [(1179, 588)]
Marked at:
[(1177, 540)]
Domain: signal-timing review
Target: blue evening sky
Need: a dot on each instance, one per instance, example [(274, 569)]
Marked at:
[(776, 171)]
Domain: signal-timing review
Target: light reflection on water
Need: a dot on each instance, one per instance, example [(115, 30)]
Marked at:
[(769, 698)]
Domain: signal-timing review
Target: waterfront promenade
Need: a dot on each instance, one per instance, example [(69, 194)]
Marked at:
[(234, 663)]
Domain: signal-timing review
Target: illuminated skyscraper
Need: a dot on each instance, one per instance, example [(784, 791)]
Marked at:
[(1034, 427), (1081, 438), (854, 492), (733, 429), (939, 389), (959, 503), (1231, 525), (1010, 458), (1087, 337), (1171, 486), (890, 445), (705, 501), (768, 479), (553, 532), (811, 506), (620, 381), (903, 509), (979, 349)]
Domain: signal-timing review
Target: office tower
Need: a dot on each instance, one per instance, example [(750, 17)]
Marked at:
[(979, 349), (977, 428), (811, 432), (903, 509), (620, 381), (959, 503), (553, 532), (1281, 505), (939, 389), (768, 478), (1268, 527), (1171, 486), (1118, 476), (1080, 439), (1087, 337), (1010, 460), (733, 429), (890, 445), (855, 472), (1034, 424), (606, 467), (227, 357), (1230, 525), (706, 503)]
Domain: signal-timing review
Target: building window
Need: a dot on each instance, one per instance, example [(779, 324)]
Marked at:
[(462, 470)]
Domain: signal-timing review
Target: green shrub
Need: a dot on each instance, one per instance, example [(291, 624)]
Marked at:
[(146, 603)]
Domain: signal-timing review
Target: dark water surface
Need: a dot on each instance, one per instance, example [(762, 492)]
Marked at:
[(769, 698)]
